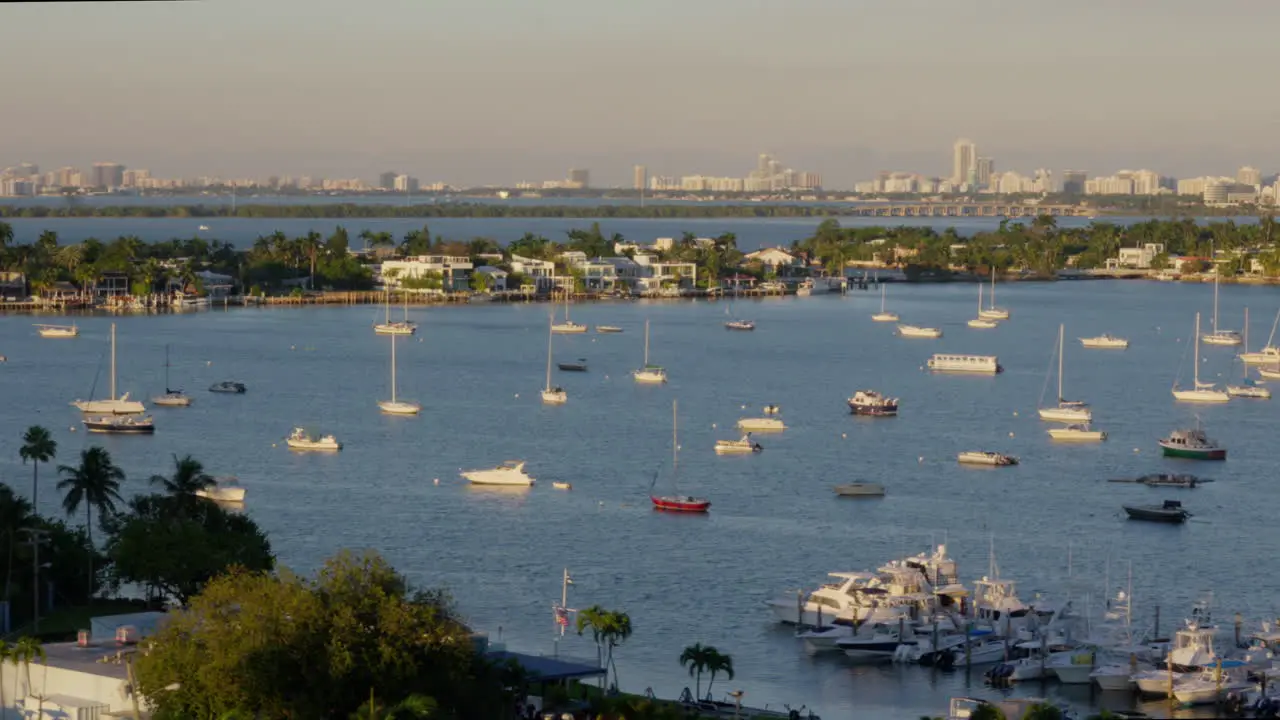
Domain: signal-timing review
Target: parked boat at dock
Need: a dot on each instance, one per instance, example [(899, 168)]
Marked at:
[(120, 424)]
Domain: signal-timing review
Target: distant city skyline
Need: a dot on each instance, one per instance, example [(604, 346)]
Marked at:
[(503, 91)]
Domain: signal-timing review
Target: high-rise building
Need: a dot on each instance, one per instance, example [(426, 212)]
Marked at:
[(579, 178), (1249, 176), (986, 167), (964, 161), (405, 184), (108, 175), (1073, 181), (387, 180), (639, 177)]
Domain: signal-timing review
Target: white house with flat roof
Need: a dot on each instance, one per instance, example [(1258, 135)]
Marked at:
[(541, 272), (1135, 257), (454, 271), (656, 273)]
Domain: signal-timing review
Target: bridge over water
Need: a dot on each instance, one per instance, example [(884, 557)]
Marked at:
[(960, 210)]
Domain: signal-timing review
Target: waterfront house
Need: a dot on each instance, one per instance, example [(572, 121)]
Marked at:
[(738, 281), (540, 272), (13, 285), (658, 274), (1135, 258), (597, 275), (454, 271), (495, 278), (112, 284), (216, 285), (774, 258)]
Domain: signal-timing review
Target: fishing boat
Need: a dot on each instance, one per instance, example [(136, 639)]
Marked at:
[(1202, 392), (112, 405), (914, 331), (1080, 432), (396, 406), (223, 489), (742, 446), (579, 366), (1170, 511), (170, 398), (120, 424), (1192, 444), (608, 329), (986, 457), (229, 387), (552, 395), (510, 473), (1072, 411), (300, 439), (884, 315), (860, 489), (980, 322), (57, 331), (992, 312), (676, 502), (1105, 342), (402, 327), (1219, 337), (649, 374), (568, 327), (872, 403)]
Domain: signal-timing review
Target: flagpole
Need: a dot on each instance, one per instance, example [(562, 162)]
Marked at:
[(562, 611)]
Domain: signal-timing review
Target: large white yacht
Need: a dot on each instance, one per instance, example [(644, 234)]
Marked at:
[(509, 473), (914, 331), (821, 607)]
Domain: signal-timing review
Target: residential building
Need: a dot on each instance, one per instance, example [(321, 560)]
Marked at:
[(541, 272), (387, 180), (1138, 258), (497, 277), (774, 257), (597, 275), (639, 177), (405, 184), (1113, 185), (656, 274), (579, 178), (986, 167), (964, 161), (1044, 182), (108, 175), (454, 271), (1073, 181), (1249, 176)]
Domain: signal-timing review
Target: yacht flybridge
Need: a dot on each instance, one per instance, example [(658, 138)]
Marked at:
[(1072, 411), (1201, 392), (113, 405)]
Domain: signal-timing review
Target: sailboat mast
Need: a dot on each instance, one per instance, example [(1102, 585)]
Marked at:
[(388, 305), (979, 298), (882, 291), (1212, 256), (1060, 354), (646, 343), (550, 334), (1246, 329), (393, 368), (992, 299), (1196, 357), (405, 295), (675, 442), (166, 368), (113, 361)]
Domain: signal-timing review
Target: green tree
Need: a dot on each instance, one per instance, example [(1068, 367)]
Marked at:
[(95, 483), (26, 650), (696, 658), (6, 650), (188, 477), (1043, 711), (609, 629), (987, 711), (38, 447)]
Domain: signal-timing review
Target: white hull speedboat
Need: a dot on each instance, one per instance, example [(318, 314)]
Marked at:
[(743, 446), (976, 457), (1077, 433), (57, 331), (1156, 682), (509, 474), (757, 424), (1204, 690), (173, 398), (399, 407), (395, 328), (302, 440), (824, 640), (568, 328), (1105, 342), (1073, 668), (913, 331), (608, 329), (224, 489), (981, 653)]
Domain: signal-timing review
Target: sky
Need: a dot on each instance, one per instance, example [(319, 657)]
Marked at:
[(499, 91)]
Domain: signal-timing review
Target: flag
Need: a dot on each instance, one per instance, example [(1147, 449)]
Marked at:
[(568, 579), (562, 616)]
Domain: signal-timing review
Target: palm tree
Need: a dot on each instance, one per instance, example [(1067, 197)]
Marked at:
[(309, 244), (609, 628), (719, 663), (38, 447), (26, 650), (94, 484), (188, 477), (696, 658), (15, 514)]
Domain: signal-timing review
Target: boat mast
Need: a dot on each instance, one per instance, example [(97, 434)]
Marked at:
[(1212, 256), (393, 368), (388, 305), (993, 287), (550, 334), (166, 368), (113, 361), (646, 343), (1246, 329), (1195, 359), (979, 298), (1060, 353), (675, 443), (883, 288)]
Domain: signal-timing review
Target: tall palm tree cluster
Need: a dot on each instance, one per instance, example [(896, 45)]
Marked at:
[(609, 629), (699, 658), (25, 651)]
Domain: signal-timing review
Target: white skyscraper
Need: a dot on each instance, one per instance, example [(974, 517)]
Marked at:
[(964, 161)]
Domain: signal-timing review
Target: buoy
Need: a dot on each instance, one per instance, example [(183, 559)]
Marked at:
[(713, 426), (436, 481), (293, 347), (844, 435), (920, 459), (73, 428), (208, 362), (1015, 413), (1135, 450), (517, 394), (273, 445), (1010, 434), (744, 407)]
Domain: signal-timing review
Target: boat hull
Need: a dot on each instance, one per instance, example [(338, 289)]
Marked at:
[(1194, 453), (860, 490), (886, 410), (222, 494), (395, 329), (649, 377), (1201, 396), (761, 425), (884, 317), (555, 397), (1078, 435), (572, 367), (399, 408), (110, 407), (1059, 414), (681, 505), (171, 401), (568, 329), (737, 449), (113, 429), (310, 445), (1153, 515)]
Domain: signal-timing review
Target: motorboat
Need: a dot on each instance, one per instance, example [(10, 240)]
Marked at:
[(1269, 355), (300, 439), (739, 325), (608, 329), (757, 424), (1249, 389), (676, 502), (1212, 684), (509, 473), (1071, 411), (223, 489), (395, 406), (840, 598), (568, 327), (579, 366), (120, 425), (112, 405), (884, 315), (648, 373), (1171, 511), (881, 643), (1116, 677), (860, 489), (1077, 433), (1105, 342), (1072, 668), (870, 402), (1201, 392), (230, 387), (743, 446), (57, 331), (914, 331), (561, 485), (985, 457), (1192, 444), (981, 364)]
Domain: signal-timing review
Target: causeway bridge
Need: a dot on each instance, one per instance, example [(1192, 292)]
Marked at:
[(960, 210)]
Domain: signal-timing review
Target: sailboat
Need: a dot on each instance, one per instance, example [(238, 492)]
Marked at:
[(403, 327), (1247, 387), (568, 327), (651, 374), (993, 312), (883, 315), (980, 322), (676, 503), (395, 406), (1072, 411), (57, 331), (112, 405), (552, 395), (1269, 354), (1219, 337), (170, 398), (1202, 392), (736, 323)]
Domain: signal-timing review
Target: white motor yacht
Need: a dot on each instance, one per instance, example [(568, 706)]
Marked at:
[(568, 327), (509, 473), (300, 439), (821, 607), (757, 424), (743, 446), (57, 331), (1077, 433), (880, 643), (1117, 677), (1212, 684), (223, 489), (1105, 342), (914, 331), (1268, 355), (1072, 668)]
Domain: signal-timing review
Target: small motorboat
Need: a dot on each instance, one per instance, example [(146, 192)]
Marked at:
[(568, 327), (1171, 511), (740, 325), (914, 331), (608, 329), (1174, 480), (57, 331), (510, 474), (1079, 432), (860, 489), (580, 366), (300, 439), (743, 446), (1105, 342), (228, 386), (223, 489), (757, 424), (120, 425), (562, 485), (986, 457), (870, 402)]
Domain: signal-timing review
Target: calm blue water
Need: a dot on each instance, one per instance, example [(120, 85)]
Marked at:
[(775, 523)]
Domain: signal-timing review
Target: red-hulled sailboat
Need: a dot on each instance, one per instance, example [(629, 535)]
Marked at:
[(676, 503)]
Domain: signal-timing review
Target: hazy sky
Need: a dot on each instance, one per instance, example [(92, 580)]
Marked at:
[(470, 91)]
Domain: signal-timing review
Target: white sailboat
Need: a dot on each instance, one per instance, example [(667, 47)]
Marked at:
[(649, 374), (1219, 337), (1202, 392), (112, 405), (403, 327), (170, 398), (552, 395), (568, 327), (1072, 411), (883, 315), (396, 406), (993, 312), (1269, 354), (981, 322), (1247, 388)]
